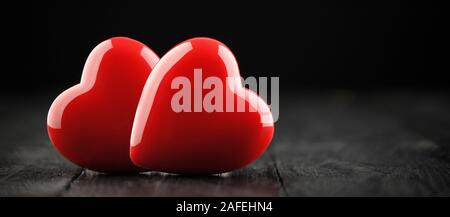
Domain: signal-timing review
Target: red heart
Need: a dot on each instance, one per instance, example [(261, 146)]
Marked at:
[(198, 142), (90, 123)]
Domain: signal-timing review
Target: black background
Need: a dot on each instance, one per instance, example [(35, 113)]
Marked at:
[(318, 44)]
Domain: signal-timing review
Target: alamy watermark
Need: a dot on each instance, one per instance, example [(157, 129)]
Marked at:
[(218, 100)]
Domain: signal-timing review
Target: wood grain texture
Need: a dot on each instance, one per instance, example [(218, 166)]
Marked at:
[(29, 165), (335, 143), (259, 179), (375, 144)]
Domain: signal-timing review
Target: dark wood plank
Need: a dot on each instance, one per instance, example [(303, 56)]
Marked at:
[(348, 144), (326, 144), (29, 165), (258, 179)]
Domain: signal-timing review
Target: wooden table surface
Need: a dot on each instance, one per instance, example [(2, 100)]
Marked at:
[(332, 143)]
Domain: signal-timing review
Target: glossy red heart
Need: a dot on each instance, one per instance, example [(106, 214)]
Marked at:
[(198, 142), (90, 123)]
